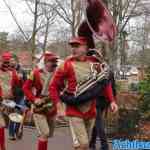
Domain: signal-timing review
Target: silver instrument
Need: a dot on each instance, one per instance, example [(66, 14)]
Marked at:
[(15, 117), (93, 79), (95, 75), (11, 104)]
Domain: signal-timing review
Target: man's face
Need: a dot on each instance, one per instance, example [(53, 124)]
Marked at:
[(13, 63), (50, 65), (78, 50)]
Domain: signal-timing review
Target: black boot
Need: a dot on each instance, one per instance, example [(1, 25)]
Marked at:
[(100, 128), (104, 145), (103, 136), (104, 142), (92, 145)]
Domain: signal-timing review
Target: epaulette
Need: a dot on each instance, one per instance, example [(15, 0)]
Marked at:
[(61, 66), (30, 76)]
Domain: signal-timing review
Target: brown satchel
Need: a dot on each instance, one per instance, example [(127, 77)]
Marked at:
[(46, 107)]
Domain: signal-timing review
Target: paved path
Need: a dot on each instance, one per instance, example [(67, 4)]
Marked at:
[(60, 141)]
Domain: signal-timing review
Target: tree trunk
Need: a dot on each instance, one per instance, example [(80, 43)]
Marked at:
[(76, 15), (33, 44), (46, 36)]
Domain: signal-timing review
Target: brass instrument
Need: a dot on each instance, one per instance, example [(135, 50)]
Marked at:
[(100, 20), (97, 74), (45, 107), (98, 23)]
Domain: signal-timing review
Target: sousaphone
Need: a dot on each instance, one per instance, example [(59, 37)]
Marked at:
[(98, 23)]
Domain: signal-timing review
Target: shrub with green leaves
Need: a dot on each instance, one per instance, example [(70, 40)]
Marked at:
[(134, 87), (144, 89)]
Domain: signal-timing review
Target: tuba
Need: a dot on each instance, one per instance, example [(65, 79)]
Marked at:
[(98, 24), (100, 20), (99, 72)]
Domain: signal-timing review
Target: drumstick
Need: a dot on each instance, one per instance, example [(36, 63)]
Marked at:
[(22, 122)]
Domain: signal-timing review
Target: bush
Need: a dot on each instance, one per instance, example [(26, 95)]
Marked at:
[(134, 87), (144, 106), (128, 120), (144, 89)]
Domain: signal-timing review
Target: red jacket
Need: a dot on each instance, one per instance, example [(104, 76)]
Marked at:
[(66, 74), (0, 91), (9, 79), (33, 87)]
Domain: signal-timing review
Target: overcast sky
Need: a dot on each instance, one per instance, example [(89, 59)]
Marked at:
[(20, 10), (22, 14)]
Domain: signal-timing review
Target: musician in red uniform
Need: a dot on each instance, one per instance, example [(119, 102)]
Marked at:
[(18, 96), (5, 78), (35, 87), (74, 70), (8, 79), (2, 132)]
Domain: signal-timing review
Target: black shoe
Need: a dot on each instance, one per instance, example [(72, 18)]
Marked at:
[(92, 147), (105, 148), (19, 135), (12, 138)]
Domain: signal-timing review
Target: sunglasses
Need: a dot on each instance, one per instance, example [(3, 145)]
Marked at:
[(6, 62), (75, 45)]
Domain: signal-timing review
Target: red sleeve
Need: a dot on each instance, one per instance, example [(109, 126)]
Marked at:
[(70, 77), (56, 82), (0, 91), (64, 74), (27, 89), (29, 84), (108, 93)]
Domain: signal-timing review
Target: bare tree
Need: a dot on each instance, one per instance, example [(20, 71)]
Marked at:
[(16, 21), (44, 17), (34, 31), (122, 11), (70, 12), (50, 16)]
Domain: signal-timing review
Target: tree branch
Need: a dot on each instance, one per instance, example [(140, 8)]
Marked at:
[(14, 18), (128, 18)]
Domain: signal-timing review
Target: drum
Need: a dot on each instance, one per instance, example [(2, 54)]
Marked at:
[(9, 103), (15, 117), (9, 111)]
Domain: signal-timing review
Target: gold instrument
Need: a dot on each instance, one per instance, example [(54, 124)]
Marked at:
[(45, 107)]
